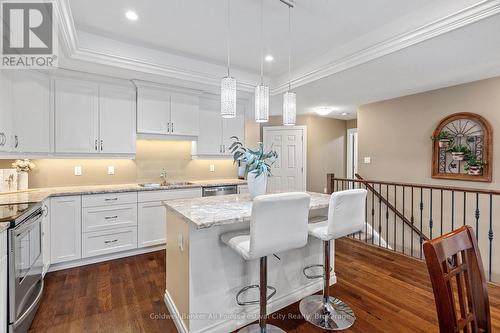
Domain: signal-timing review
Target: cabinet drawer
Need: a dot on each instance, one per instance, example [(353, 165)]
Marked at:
[(147, 196), (109, 241), (109, 199), (111, 217), (243, 189)]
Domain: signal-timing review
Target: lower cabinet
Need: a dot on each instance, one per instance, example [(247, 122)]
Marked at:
[(109, 241), (65, 229), (46, 236), (3, 282), (152, 214), (242, 189)]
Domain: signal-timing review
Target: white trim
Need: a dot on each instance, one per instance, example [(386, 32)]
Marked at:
[(349, 161), (265, 129), (107, 257), (457, 20), (231, 325)]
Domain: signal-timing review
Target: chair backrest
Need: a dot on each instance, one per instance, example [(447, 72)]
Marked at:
[(279, 223), (456, 271), (346, 213)]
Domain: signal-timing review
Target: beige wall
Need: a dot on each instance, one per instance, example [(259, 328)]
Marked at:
[(353, 123), (152, 156), (396, 133), (325, 148)]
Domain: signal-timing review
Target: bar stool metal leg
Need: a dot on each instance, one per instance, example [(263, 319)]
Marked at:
[(326, 311), (262, 326)]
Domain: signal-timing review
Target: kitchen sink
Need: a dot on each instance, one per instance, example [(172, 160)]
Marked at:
[(164, 184)]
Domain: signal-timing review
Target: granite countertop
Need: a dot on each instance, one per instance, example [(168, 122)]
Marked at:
[(37, 195), (228, 209)]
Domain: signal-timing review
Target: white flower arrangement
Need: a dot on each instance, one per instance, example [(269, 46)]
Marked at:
[(23, 165)]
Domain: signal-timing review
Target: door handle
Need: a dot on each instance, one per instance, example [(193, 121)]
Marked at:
[(102, 141), (172, 127), (95, 145), (16, 141), (168, 127), (111, 241), (111, 217)]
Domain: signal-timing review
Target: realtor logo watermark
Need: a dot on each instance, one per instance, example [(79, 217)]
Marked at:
[(29, 35)]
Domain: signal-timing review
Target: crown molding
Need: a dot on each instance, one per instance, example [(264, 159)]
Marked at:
[(462, 18)]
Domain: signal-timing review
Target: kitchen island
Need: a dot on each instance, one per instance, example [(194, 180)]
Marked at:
[(203, 275)]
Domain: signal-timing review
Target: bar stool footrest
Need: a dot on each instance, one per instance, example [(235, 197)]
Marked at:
[(312, 277), (254, 286)]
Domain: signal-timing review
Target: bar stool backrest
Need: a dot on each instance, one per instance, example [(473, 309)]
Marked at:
[(279, 223), (346, 213)]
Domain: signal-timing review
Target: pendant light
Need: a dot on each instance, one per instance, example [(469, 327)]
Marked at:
[(262, 91), (289, 97), (228, 83)]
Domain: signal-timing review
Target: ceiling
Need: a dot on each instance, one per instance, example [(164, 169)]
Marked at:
[(345, 53)]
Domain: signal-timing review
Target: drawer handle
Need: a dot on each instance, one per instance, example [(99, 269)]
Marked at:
[(111, 241), (110, 199), (111, 217)]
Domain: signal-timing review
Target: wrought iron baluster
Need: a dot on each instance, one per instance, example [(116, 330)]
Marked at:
[(441, 212), (452, 210), (430, 216), (421, 206), (395, 208), (490, 236), (403, 224), (373, 214), (380, 215), (477, 214), (412, 218), (387, 218), (366, 216)]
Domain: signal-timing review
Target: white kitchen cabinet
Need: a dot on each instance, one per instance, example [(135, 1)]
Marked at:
[(184, 111), (31, 112), (162, 112), (65, 229), (232, 127), (109, 217), (76, 116), (153, 111), (46, 236), (5, 110), (3, 282), (109, 241), (116, 120), (152, 214), (243, 189)]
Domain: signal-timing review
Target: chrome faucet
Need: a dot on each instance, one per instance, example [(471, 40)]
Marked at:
[(163, 175)]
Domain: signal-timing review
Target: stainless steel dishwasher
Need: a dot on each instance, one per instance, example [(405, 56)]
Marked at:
[(220, 190)]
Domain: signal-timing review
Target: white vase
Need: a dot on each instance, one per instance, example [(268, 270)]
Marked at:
[(22, 180), (256, 185)]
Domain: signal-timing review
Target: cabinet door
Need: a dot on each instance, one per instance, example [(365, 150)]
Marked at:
[(65, 229), (210, 135), (232, 127), (153, 111), (77, 116), (31, 112), (152, 223), (184, 115), (46, 236), (117, 120), (3, 293), (5, 109)]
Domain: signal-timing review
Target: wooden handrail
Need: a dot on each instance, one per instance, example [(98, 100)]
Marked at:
[(424, 186)]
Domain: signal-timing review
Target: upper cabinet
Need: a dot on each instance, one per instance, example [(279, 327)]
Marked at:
[(5, 109), (162, 112), (214, 138), (93, 119)]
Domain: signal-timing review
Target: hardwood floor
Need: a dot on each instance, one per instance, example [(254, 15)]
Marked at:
[(388, 292)]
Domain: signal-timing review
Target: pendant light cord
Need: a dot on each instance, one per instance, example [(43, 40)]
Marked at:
[(228, 27), (262, 42), (290, 48)]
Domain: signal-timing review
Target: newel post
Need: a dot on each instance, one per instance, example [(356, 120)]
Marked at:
[(330, 185)]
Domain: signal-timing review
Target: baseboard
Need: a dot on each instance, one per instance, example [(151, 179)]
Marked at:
[(174, 313), (273, 306), (106, 257)]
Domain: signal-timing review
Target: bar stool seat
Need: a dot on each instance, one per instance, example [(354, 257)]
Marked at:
[(319, 230), (279, 223)]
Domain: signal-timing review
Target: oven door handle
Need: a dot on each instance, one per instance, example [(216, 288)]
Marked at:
[(33, 307), (23, 227)]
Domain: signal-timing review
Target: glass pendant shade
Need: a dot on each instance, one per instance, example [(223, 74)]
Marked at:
[(228, 97), (261, 103), (289, 108)]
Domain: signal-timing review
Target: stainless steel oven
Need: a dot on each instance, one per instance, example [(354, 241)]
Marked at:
[(25, 268)]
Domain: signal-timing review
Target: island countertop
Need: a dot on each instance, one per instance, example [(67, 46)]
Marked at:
[(228, 209)]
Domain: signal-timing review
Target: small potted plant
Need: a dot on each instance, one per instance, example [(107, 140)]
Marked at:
[(459, 152), (23, 167), (257, 165), (444, 139), (473, 166)]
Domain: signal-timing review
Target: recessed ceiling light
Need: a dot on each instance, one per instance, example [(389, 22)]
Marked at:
[(131, 15), (323, 111), (269, 58), (344, 113)]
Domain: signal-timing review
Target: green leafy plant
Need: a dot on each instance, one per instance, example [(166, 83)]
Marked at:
[(460, 149), (444, 135), (257, 161), (473, 162)]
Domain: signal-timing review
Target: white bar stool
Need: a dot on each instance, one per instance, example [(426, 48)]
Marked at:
[(279, 223), (346, 215)]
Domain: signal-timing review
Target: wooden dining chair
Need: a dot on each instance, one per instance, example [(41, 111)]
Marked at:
[(459, 284)]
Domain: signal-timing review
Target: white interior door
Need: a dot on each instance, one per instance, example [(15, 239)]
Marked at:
[(288, 172), (352, 152)]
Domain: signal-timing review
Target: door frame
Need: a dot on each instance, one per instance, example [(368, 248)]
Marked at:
[(266, 129), (350, 154)]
